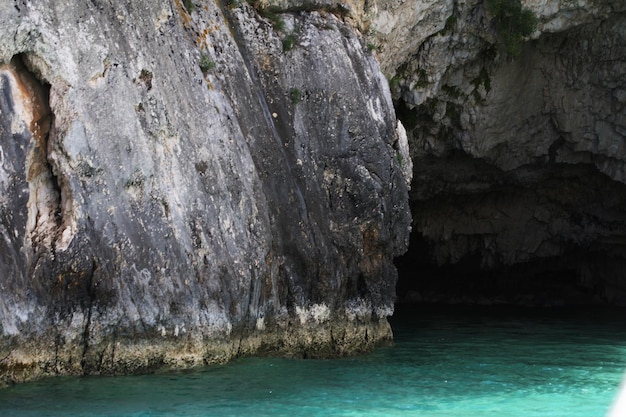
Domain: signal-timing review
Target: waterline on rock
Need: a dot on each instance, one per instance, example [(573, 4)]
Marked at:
[(442, 364)]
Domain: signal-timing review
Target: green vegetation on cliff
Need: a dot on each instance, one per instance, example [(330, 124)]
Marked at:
[(513, 23)]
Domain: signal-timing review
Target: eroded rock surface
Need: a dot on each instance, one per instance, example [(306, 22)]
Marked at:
[(182, 185), (519, 160), (184, 182)]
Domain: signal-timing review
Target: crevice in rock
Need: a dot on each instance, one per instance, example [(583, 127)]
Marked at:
[(30, 101), (58, 341), (90, 300)]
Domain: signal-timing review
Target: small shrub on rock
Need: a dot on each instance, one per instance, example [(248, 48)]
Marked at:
[(206, 64), (512, 22)]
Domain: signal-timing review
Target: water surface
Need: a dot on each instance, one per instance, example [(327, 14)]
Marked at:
[(460, 363)]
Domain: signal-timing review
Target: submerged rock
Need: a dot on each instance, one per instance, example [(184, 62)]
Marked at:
[(186, 183)]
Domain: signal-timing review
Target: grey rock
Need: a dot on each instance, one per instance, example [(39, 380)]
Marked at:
[(203, 190)]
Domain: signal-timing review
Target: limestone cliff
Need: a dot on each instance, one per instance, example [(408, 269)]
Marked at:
[(520, 165), (185, 182)]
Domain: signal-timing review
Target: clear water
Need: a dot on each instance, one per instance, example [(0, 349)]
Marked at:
[(461, 364)]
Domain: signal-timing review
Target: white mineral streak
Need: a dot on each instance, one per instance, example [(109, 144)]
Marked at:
[(316, 314), (359, 309), (404, 158)]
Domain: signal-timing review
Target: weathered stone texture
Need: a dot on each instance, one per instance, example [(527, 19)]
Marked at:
[(203, 191), (519, 160), (180, 186)]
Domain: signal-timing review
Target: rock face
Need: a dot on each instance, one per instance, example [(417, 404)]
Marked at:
[(519, 181), (184, 183)]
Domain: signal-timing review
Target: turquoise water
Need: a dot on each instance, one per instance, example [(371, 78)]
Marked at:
[(461, 364)]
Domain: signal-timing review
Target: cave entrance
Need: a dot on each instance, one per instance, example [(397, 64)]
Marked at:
[(550, 282), (543, 236)]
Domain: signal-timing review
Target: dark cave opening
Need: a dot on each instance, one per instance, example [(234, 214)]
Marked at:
[(550, 282), (547, 235)]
